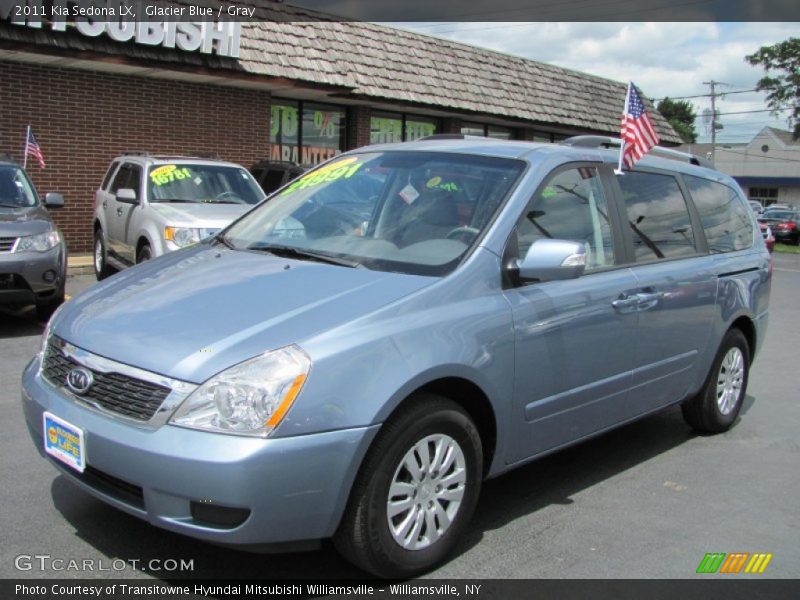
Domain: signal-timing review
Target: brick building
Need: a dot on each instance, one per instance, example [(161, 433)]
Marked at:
[(291, 85)]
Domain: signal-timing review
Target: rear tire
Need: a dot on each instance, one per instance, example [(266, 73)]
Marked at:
[(415, 492), (100, 259), (716, 407)]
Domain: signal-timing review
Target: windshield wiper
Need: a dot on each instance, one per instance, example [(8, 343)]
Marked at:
[(4, 205), (301, 253), (184, 200)]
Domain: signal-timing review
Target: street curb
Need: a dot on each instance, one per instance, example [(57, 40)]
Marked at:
[(79, 264)]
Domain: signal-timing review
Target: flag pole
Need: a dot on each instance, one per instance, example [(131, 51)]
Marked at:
[(618, 170), (25, 155)]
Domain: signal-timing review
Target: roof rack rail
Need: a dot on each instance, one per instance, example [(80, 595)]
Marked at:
[(451, 136), (136, 153), (597, 141)]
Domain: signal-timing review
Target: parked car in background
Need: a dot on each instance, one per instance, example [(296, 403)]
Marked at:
[(766, 233), (785, 225), (757, 207), (33, 254), (353, 357), (148, 205), (272, 175)]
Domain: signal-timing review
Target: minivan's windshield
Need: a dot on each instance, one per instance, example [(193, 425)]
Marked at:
[(15, 189), (409, 212), (184, 182)]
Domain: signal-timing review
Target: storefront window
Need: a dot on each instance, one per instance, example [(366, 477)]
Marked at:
[(320, 134), (500, 133), (323, 133), (482, 129), (468, 128), (419, 127), (386, 128)]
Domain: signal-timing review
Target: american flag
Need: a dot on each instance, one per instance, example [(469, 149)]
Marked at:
[(638, 133), (32, 148)]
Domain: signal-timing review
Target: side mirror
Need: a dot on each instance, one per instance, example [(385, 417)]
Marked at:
[(53, 200), (553, 260), (126, 195)]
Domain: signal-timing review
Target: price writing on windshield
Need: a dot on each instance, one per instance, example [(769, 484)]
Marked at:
[(168, 174)]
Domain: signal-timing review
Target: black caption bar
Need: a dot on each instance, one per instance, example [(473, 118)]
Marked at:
[(472, 589), (406, 10)]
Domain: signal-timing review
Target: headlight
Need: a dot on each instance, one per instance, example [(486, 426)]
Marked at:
[(41, 242), (46, 333), (186, 236), (182, 236), (250, 398)]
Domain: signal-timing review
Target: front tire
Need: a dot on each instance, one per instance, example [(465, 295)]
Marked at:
[(415, 492), (144, 253), (716, 407), (101, 268)]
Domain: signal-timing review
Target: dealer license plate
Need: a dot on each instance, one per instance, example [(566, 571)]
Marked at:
[(64, 441)]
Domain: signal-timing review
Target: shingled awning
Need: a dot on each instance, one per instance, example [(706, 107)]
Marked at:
[(383, 65)]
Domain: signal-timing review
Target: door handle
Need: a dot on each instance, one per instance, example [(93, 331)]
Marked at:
[(625, 302), (105, 203), (119, 212), (648, 300)]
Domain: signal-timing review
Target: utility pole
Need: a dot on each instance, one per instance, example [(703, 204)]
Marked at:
[(714, 95)]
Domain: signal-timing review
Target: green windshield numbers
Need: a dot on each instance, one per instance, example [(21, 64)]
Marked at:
[(549, 192), (168, 174), (340, 169)]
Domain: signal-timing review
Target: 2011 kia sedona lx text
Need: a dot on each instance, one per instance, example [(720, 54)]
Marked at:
[(351, 358)]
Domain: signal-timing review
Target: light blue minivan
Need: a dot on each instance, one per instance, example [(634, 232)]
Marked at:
[(351, 358)]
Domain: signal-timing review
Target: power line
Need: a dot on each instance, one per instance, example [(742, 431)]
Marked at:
[(765, 157), (704, 95), (746, 112)]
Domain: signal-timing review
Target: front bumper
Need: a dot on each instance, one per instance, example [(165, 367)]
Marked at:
[(28, 277), (294, 488)]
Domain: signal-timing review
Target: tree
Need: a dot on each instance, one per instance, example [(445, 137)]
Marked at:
[(781, 61), (681, 115)]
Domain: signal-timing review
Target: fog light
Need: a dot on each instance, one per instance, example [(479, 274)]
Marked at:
[(215, 515), (49, 276)]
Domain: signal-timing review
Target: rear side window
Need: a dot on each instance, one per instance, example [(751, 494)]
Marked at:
[(657, 215), (109, 173), (122, 179), (726, 220)]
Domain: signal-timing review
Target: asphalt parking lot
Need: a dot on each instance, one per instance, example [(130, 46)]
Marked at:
[(648, 500)]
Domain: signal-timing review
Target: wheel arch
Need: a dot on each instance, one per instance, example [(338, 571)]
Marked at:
[(748, 328)]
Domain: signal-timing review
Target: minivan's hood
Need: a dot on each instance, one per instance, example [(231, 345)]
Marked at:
[(193, 313), (16, 222), (200, 214)]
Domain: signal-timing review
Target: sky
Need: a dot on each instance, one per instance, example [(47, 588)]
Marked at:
[(662, 59)]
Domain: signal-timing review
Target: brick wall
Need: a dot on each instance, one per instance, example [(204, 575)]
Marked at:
[(358, 126), (82, 119)]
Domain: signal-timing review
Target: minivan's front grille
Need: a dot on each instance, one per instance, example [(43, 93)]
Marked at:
[(114, 392), (7, 243)]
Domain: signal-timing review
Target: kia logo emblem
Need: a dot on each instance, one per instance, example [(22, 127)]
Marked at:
[(79, 380)]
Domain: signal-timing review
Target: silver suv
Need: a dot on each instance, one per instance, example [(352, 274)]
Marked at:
[(149, 205)]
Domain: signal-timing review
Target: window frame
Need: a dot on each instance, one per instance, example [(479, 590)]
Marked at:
[(300, 105), (745, 203), (605, 172), (700, 244)]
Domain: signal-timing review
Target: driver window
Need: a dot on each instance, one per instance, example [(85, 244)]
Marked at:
[(572, 207)]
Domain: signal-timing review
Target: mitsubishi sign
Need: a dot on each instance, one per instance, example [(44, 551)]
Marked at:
[(140, 22)]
